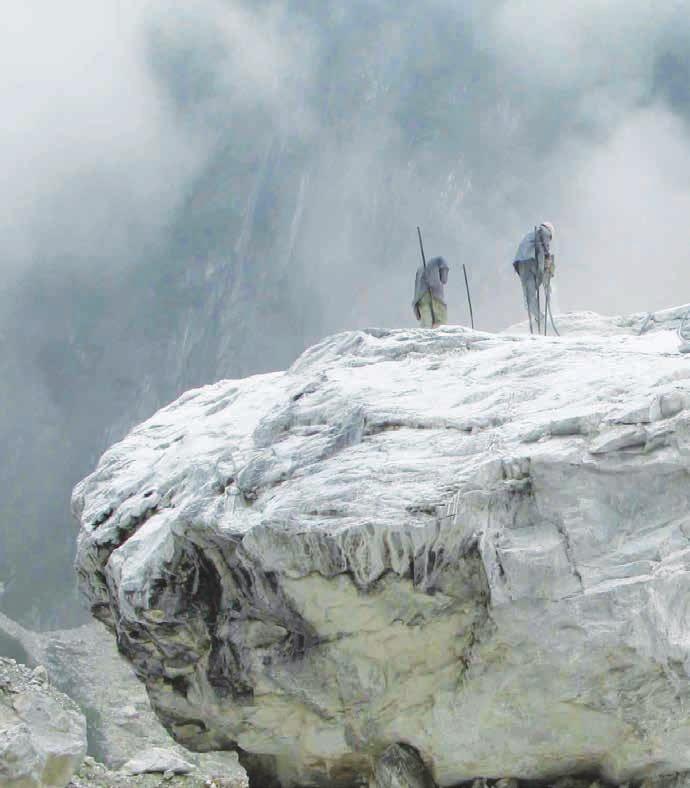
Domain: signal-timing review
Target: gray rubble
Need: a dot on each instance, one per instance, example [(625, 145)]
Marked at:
[(95, 775), (42, 732)]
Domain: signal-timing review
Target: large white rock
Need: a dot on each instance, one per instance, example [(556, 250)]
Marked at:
[(42, 733), (478, 545)]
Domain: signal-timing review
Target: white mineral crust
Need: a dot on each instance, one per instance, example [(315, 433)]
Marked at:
[(475, 544)]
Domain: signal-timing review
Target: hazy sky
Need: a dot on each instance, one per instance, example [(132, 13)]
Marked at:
[(584, 108), (193, 191)]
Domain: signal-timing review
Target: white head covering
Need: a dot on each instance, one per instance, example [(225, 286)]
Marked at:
[(549, 227)]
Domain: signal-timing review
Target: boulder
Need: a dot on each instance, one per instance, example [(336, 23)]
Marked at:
[(475, 544)]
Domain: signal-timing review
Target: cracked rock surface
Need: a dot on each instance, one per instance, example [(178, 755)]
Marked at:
[(477, 545)]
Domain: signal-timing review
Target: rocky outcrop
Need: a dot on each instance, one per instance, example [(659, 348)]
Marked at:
[(42, 732), (473, 545)]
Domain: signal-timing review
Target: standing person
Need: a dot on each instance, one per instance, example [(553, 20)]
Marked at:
[(429, 300), (531, 259)]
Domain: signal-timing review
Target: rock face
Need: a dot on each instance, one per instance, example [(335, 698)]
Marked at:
[(476, 545), (42, 732)]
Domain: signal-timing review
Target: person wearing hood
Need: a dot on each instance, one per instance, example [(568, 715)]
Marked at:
[(429, 303), (532, 259)]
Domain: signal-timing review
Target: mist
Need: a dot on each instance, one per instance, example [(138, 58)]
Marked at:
[(192, 194)]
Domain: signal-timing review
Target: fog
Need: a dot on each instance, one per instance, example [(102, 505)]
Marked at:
[(196, 192)]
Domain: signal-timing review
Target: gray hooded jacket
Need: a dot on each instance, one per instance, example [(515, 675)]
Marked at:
[(432, 280)]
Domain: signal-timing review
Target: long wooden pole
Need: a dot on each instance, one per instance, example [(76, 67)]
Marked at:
[(431, 297)]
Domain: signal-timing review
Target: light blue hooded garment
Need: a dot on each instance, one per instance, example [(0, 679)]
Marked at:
[(531, 250)]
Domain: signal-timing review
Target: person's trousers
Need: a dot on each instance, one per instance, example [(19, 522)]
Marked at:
[(531, 278), (440, 312)]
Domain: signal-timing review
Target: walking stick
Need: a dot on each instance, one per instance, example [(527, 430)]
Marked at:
[(536, 279), (431, 298), (553, 325), (469, 300), (547, 297), (547, 292)]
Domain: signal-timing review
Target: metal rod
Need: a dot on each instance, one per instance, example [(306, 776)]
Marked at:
[(469, 300), (548, 312)]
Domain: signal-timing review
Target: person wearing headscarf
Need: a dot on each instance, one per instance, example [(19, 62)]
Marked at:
[(532, 260), (429, 302)]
